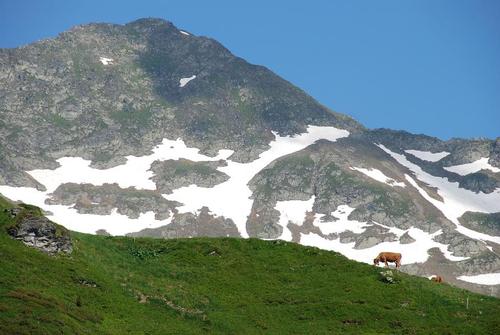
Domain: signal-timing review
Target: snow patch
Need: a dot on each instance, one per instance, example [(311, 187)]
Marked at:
[(484, 279), (183, 81), (465, 169), (106, 61), (427, 155), (379, 176), (184, 33), (294, 211)]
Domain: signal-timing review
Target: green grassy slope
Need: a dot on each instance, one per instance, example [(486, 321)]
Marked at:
[(220, 286)]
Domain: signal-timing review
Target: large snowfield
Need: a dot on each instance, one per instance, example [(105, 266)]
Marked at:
[(232, 198)]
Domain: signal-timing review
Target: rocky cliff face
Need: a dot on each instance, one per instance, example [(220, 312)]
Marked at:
[(36, 231), (144, 129)]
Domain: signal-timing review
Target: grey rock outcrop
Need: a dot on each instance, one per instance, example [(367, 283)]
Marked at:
[(406, 239), (488, 223), (193, 225), (41, 233), (172, 174), (372, 236), (102, 200)]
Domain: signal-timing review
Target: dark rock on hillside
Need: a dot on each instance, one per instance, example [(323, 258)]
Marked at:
[(406, 239), (479, 182), (487, 262), (371, 237), (193, 225), (488, 223), (172, 174), (102, 200), (39, 232), (102, 232), (460, 245), (495, 154), (466, 151), (401, 140)]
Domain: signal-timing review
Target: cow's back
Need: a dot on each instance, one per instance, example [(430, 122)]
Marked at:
[(390, 256)]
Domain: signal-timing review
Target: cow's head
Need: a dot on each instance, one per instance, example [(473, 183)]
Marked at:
[(376, 261)]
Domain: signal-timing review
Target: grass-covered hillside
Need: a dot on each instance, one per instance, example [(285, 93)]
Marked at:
[(112, 285)]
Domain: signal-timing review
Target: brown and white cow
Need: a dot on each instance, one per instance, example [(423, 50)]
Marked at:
[(392, 257), (437, 279)]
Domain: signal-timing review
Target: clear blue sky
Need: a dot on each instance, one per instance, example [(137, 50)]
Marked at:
[(426, 66)]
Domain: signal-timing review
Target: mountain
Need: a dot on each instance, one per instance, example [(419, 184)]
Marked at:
[(147, 130), (123, 285)]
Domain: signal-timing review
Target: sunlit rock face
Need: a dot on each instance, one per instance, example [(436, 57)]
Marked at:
[(146, 130)]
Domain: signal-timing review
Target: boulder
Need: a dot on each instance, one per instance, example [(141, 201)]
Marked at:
[(39, 232)]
